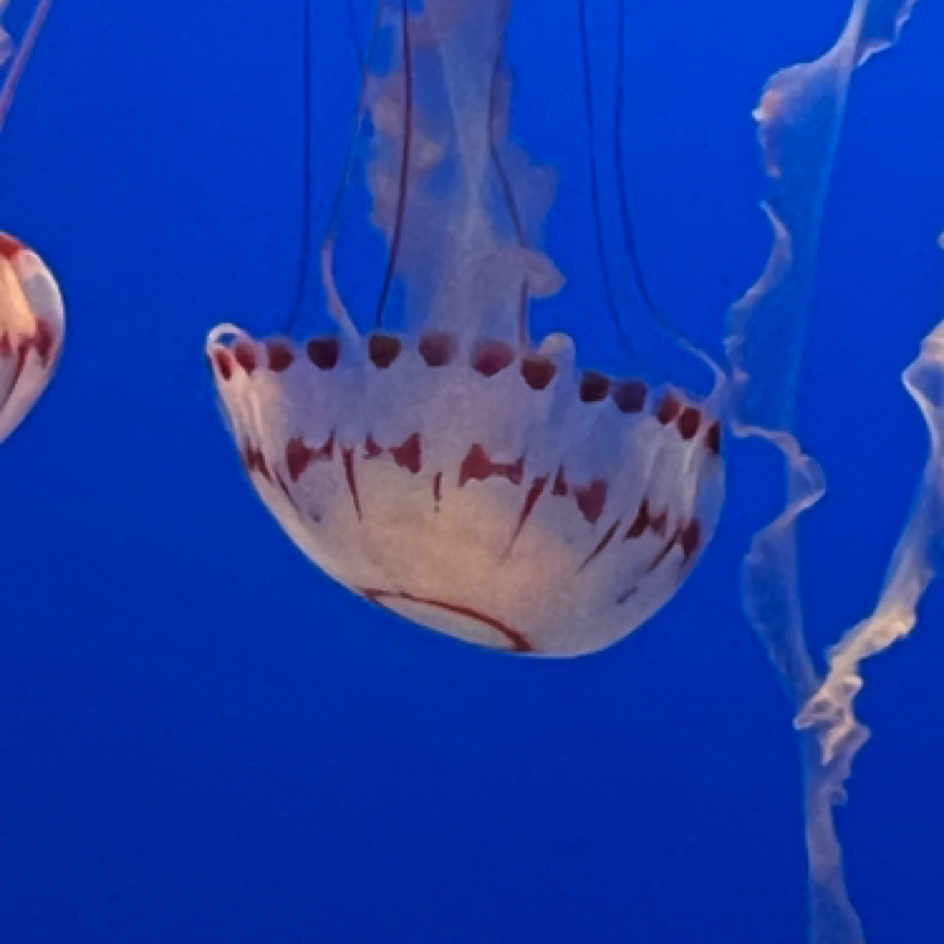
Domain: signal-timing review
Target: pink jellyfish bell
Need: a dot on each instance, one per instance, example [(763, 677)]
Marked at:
[(456, 473), (32, 320), (32, 323)]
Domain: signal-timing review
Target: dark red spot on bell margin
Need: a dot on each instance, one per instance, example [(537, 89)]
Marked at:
[(437, 349), (669, 409), (713, 438), (477, 465), (630, 396), (688, 422), (323, 352), (594, 387), (537, 372), (408, 455), (9, 246), (591, 499), (245, 355), (280, 355), (223, 364), (492, 357), (383, 349)]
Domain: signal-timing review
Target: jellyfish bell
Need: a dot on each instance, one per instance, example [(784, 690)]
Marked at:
[(32, 318), (456, 472), (32, 323)]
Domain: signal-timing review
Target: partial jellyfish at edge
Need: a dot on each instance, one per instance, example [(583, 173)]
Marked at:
[(32, 317)]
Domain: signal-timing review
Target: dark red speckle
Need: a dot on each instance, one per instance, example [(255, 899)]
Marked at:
[(534, 493), (280, 355), (409, 455), (537, 372), (630, 396), (688, 422), (560, 486), (638, 528), (223, 364), (9, 246), (591, 499), (43, 340), (477, 465), (594, 387), (492, 357), (323, 352), (691, 539), (437, 349), (298, 456), (255, 460), (371, 449), (659, 522), (669, 409), (383, 349), (713, 438)]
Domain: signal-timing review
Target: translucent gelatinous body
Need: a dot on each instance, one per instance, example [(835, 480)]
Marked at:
[(499, 496), (459, 474), (32, 319), (31, 331)]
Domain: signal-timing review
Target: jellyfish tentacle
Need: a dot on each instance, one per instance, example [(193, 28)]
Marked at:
[(336, 307), (799, 119), (406, 153), (916, 561), (20, 55)]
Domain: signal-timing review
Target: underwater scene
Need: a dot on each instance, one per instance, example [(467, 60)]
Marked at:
[(472, 471)]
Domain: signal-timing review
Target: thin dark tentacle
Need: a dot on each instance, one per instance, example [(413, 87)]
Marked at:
[(397, 236), (629, 234), (20, 57), (508, 194), (340, 189), (605, 273), (304, 253)]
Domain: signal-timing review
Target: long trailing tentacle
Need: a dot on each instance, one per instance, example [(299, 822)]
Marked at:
[(397, 237), (21, 56), (304, 253), (605, 272), (336, 306)]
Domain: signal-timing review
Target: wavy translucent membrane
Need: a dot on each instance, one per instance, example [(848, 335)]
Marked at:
[(458, 472), (799, 117), (32, 318)]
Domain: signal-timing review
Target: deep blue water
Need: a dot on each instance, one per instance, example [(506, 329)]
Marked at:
[(202, 739)]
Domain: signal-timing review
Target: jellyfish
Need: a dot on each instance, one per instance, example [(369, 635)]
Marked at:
[(32, 319), (799, 118), (458, 471)]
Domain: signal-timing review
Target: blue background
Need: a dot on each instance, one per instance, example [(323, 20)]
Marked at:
[(203, 739)]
